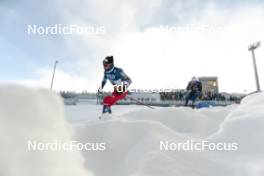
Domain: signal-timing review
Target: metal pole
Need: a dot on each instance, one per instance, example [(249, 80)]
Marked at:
[(53, 74), (256, 70)]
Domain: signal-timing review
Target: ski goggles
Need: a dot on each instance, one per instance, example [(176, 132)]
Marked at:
[(107, 65)]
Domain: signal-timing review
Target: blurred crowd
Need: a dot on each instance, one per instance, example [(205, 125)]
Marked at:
[(68, 94), (164, 96), (180, 96), (172, 95)]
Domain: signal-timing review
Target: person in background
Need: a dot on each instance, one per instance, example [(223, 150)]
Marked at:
[(194, 89)]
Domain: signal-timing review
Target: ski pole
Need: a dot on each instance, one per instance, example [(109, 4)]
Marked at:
[(140, 102), (99, 97)]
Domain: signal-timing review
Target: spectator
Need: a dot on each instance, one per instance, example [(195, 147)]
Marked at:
[(194, 87)]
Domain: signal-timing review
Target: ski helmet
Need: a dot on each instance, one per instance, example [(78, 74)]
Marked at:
[(194, 78), (108, 63)]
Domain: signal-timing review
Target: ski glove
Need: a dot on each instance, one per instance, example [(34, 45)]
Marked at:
[(100, 90)]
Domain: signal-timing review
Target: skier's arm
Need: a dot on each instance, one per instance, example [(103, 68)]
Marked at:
[(126, 79), (103, 83), (189, 86)]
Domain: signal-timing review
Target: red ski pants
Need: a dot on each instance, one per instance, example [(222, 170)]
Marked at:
[(112, 99)]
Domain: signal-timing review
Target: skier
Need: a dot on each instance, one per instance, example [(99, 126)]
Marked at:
[(194, 89), (118, 79)]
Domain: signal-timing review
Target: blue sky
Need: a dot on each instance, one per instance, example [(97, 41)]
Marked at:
[(152, 57)]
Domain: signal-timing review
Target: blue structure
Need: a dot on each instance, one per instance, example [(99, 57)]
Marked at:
[(205, 104)]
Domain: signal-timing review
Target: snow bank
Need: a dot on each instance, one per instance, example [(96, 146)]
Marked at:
[(132, 138), (133, 148), (245, 126), (195, 123), (34, 115), (133, 141)]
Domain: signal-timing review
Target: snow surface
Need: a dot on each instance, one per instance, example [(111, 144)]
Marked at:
[(132, 137), (30, 114)]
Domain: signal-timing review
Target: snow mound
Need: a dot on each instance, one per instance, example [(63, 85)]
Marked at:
[(133, 148), (133, 141), (196, 123), (132, 138), (34, 115), (245, 126)]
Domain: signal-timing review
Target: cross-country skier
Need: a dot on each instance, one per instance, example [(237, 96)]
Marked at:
[(194, 89), (119, 80)]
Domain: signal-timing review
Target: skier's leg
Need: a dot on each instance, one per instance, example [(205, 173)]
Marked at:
[(117, 96), (107, 102), (186, 100), (111, 100), (194, 97), (188, 97), (106, 109)]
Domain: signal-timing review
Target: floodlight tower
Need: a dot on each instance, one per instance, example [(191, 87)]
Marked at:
[(252, 48), (53, 74)]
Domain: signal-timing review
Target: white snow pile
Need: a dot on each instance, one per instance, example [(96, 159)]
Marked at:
[(133, 140), (34, 115), (132, 136)]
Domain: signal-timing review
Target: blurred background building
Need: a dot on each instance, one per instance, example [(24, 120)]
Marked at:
[(209, 84)]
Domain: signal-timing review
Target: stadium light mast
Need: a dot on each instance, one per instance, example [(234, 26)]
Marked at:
[(53, 74), (252, 49)]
